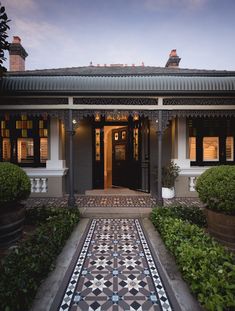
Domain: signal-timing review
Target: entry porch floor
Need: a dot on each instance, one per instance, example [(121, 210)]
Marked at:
[(111, 205)]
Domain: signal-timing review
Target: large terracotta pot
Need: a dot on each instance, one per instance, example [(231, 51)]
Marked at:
[(222, 227), (11, 224)]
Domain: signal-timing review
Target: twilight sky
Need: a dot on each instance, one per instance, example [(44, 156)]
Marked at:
[(72, 33)]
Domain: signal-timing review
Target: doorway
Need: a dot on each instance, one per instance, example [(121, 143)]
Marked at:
[(121, 155), (115, 156)]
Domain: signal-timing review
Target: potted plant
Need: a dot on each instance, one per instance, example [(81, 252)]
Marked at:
[(169, 174), (216, 189), (14, 187)]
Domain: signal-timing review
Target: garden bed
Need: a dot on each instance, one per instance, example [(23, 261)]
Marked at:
[(205, 265), (23, 270)]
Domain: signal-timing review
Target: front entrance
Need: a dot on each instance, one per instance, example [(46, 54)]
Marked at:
[(120, 157), (121, 152)]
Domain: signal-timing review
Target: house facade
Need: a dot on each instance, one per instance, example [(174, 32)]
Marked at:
[(97, 127)]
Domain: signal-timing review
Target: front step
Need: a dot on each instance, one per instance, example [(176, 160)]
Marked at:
[(115, 212)]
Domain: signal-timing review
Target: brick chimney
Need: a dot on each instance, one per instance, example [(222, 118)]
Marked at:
[(173, 61), (17, 55)]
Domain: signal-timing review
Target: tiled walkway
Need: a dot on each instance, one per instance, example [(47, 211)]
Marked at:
[(114, 269), (109, 201)]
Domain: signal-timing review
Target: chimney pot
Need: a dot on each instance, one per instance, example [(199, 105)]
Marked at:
[(16, 39), (174, 60)]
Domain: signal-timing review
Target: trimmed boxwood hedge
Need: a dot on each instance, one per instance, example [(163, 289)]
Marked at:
[(206, 266), (193, 214), (23, 270), (216, 188), (14, 184)]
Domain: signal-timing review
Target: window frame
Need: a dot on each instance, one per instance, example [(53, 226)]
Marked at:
[(223, 128), (16, 133)]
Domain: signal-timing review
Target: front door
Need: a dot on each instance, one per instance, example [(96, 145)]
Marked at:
[(120, 157)]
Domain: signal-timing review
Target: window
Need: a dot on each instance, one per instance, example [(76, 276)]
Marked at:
[(25, 150), (97, 144), (43, 150), (211, 141), (210, 148), (23, 140), (6, 150), (192, 148), (229, 148)]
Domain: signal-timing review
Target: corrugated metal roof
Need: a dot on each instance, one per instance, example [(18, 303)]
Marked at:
[(120, 84)]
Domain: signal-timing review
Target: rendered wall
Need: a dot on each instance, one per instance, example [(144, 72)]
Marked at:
[(82, 147)]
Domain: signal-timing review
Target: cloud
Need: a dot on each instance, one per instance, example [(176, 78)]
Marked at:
[(35, 33), (167, 4), (19, 5)]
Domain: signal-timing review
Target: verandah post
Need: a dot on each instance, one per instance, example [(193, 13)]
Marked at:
[(159, 171), (71, 199)]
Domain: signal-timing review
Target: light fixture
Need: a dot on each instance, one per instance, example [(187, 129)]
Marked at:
[(74, 121)]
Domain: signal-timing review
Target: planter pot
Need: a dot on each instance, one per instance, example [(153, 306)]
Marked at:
[(11, 224), (222, 228), (168, 193)]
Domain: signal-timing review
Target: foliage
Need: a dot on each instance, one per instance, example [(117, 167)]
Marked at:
[(216, 188), (169, 174), (4, 45), (192, 214), (14, 184), (26, 266), (205, 264)]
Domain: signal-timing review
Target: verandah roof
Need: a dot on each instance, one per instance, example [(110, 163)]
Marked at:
[(118, 84)]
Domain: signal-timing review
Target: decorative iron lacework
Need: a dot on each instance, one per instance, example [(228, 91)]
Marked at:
[(198, 101), (34, 101), (115, 101), (60, 114), (200, 113)]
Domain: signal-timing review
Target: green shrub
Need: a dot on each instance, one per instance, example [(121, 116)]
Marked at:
[(26, 266), (35, 216), (14, 184), (192, 214), (205, 265), (169, 174), (216, 188)]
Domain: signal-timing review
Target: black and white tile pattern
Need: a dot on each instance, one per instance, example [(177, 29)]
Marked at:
[(115, 270)]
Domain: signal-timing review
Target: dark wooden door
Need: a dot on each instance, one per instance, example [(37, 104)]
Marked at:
[(120, 157)]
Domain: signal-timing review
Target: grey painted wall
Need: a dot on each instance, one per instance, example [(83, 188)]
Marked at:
[(82, 145)]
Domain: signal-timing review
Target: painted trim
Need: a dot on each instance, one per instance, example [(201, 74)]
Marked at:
[(45, 172), (193, 171)]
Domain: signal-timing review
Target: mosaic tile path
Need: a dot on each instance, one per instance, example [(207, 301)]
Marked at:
[(97, 201), (115, 270), (86, 201)]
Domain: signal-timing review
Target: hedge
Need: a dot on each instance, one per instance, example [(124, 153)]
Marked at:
[(193, 214), (205, 264), (14, 184), (216, 188), (23, 270)]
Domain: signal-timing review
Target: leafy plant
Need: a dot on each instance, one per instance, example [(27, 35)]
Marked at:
[(205, 264), (216, 188), (27, 265), (4, 45), (169, 174), (192, 214), (14, 184)]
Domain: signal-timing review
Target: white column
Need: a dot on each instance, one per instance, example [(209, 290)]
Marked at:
[(182, 160), (54, 146)]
